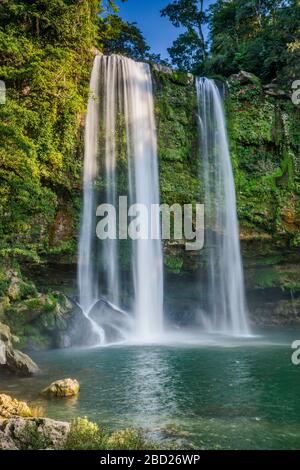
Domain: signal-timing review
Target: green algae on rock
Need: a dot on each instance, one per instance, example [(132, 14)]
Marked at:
[(62, 388)]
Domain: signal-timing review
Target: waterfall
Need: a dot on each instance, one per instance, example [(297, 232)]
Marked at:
[(226, 302), (109, 80), (147, 261), (87, 270), (120, 121)]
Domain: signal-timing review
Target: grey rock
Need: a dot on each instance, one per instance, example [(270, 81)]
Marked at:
[(20, 363), (244, 78), (2, 353), (162, 68), (180, 78), (11, 359), (33, 433), (272, 89), (6, 442)]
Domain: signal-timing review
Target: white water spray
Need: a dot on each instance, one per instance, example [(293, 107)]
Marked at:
[(121, 92), (227, 305), (144, 189), (87, 270)]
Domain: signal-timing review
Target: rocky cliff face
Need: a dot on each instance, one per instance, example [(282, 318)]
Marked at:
[(264, 128), (264, 131)]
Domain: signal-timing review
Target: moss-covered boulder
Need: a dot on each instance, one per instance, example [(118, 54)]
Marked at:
[(36, 318), (62, 388), (20, 433)]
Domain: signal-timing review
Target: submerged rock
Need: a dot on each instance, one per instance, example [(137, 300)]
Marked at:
[(11, 359), (10, 407), (20, 433), (62, 388)]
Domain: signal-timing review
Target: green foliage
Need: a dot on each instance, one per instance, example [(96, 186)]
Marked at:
[(122, 37), (45, 52), (173, 264), (189, 50), (32, 439), (31, 337), (257, 36), (273, 276), (34, 317), (85, 435), (265, 152), (260, 36), (175, 107)]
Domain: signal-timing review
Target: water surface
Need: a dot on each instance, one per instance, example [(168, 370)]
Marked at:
[(216, 393)]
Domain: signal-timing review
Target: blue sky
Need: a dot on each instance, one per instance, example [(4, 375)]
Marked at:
[(159, 32)]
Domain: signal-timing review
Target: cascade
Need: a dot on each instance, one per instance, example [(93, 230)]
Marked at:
[(121, 102), (226, 293)]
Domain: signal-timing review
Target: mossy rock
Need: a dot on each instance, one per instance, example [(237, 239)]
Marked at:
[(62, 388)]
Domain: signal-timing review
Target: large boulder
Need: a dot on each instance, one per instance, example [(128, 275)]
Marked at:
[(11, 359), (176, 76), (10, 407), (62, 388), (38, 318), (273, 89), (244, 78), (20, 364), (33, 433)]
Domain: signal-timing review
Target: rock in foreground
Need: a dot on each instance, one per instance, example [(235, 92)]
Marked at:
[(10, 407), (33, 433), (62, 388)]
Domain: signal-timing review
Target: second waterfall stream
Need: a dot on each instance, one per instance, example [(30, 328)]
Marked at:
[(120, 126), (227, 310)]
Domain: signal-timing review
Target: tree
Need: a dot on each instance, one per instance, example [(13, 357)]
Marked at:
[(189, 50), (45, 61), (258, 35), (121, 37), (59, 22)]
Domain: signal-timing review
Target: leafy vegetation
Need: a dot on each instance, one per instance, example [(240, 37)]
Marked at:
[(189, 50), (260, 36), (265, 157), (46, 53), (36, 318), (122, 37), (85, 435)]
